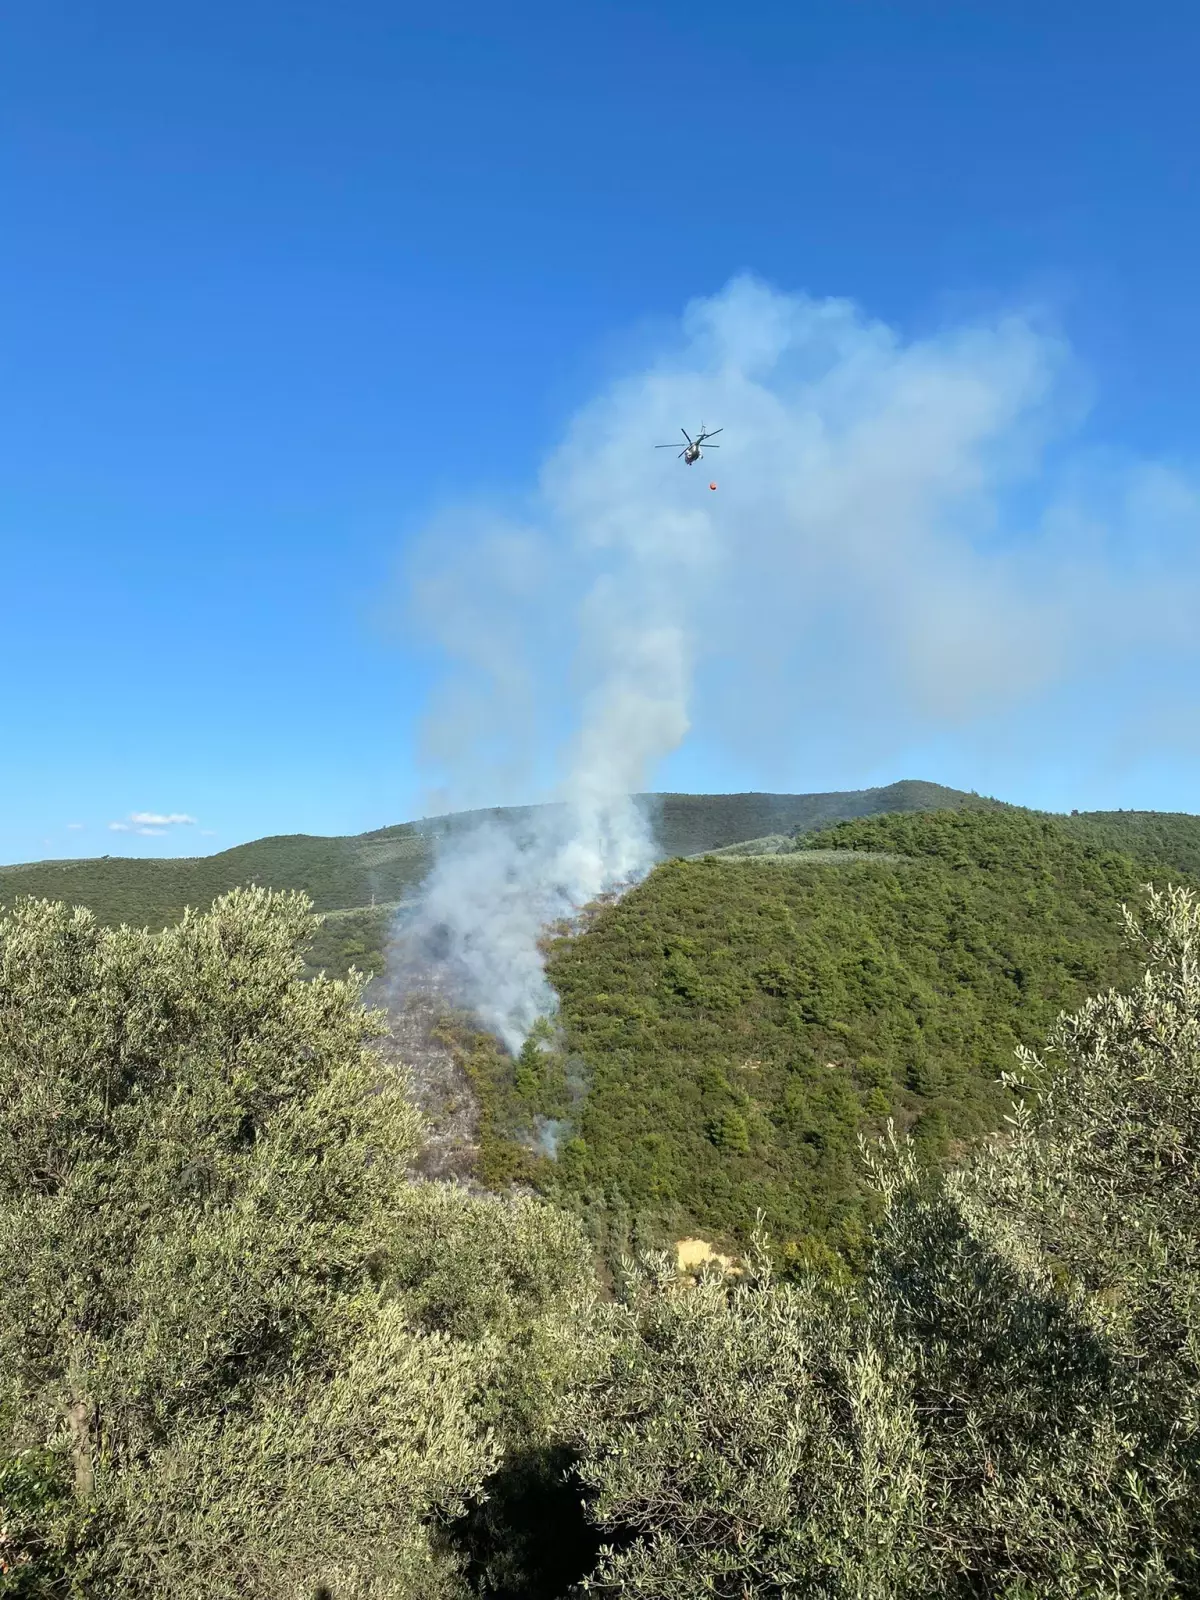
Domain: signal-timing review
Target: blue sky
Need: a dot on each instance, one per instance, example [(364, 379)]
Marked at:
[(283, 285)]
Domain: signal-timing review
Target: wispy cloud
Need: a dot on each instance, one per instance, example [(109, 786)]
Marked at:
[(152, 824), (74, 826)]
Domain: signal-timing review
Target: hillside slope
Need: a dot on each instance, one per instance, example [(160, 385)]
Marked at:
[(1172, 837), (690, 823), (738, 1023), (384, 866), (336, 872)]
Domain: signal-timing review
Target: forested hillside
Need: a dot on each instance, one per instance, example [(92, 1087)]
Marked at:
[(732, 1026), (242, 1352), (334, 873), (687, 824), (359, 880), (1172, 837), (738, 1023)]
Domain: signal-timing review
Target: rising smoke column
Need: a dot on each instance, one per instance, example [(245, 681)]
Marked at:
[(629, 547), (888, 559), (496, 885), (495, 888)]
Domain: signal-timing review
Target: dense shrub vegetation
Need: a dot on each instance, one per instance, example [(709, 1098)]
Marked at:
[(1007, 1405), (1172, 838), (243, 1352), (240, 1352), (738, 1023)]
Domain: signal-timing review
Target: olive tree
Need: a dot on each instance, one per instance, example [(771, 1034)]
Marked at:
[(242, 1353)]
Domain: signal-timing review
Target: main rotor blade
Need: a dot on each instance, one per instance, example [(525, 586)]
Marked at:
[(713, 434), (687, 435)]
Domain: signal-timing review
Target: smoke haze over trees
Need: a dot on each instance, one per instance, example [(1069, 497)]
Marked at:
[(903, 546)]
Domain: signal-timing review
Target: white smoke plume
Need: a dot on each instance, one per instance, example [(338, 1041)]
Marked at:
[(497, 885), (900, 552)]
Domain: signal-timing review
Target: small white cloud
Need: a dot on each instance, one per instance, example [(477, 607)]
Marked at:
[(209, 833), (151, 824), (74, 825)]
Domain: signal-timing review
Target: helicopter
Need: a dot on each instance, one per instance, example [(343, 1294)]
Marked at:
[(691, 451)]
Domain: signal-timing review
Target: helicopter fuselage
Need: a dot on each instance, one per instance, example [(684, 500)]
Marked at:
[(692, 450)]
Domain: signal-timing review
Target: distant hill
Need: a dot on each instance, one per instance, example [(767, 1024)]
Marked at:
[(691, 823), (355, 872), (358, 880), (733, 1024), (336, 872)]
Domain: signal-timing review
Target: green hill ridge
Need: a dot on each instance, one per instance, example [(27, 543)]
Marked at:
[(383, 867)]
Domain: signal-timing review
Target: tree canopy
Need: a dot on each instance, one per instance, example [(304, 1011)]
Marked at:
[(245, 1351), (729, 1028), (241, 1352), (1008, 1404)]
